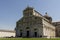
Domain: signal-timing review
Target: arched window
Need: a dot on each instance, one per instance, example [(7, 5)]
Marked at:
[(27, 27), (35, 29)]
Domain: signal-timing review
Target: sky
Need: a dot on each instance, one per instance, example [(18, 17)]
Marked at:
[(12, 10)]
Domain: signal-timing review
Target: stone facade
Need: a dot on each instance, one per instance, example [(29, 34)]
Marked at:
[(57, 25), (33, 24), (48, 29)]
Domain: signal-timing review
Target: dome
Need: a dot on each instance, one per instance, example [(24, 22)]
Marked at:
[(48, 17)]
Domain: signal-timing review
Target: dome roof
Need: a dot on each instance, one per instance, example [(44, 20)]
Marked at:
[(47, 16)]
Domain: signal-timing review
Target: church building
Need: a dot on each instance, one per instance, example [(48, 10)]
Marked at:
[(33, 24)]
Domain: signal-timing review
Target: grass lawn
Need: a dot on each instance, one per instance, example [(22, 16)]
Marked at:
[(29, 39)]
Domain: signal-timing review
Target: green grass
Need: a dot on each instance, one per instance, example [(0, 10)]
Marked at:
[(29, 39)]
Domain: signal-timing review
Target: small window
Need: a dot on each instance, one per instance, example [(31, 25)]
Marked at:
[(35, 29), (35, 17)]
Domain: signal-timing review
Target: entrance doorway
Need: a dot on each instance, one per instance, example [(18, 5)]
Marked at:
[(27, 34), (35, 34), (21, 34)]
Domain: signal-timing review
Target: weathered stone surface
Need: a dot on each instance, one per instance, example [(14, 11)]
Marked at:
[(33, 24)]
